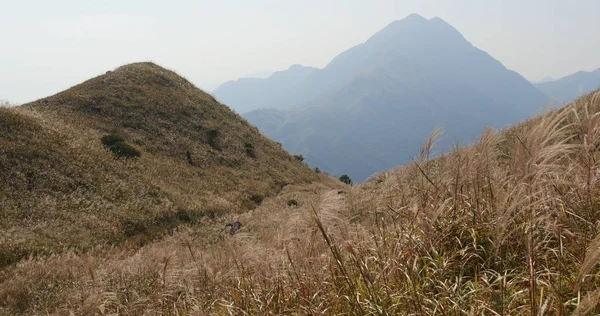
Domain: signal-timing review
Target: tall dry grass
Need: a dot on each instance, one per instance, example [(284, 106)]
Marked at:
[(4, 103), (506, 226)]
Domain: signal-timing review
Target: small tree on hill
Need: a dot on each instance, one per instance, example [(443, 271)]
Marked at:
[(188, 156), (250, 150), (111, 140), (299, 158), (346, 179), (117, 145), (212, 137), (124, 150)]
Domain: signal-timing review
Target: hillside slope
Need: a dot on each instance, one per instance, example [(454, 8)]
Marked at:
[(62, 189), (571, 87), (381, 99), (506, 226)]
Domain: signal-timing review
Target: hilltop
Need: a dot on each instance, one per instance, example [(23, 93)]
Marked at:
[(64, 190)]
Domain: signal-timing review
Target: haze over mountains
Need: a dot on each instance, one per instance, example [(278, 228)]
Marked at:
[(568, 88), (136, 193), (373, 105)]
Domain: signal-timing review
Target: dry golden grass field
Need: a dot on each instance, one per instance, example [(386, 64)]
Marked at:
[(505, 226)]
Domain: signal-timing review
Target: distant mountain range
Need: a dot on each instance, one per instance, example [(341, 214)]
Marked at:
[(568, 88), (373, 105), (281, 90)]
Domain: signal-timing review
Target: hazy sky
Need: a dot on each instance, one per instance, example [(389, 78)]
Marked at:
[(50, 45)]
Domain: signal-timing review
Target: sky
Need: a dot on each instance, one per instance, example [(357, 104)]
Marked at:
[(49, 46)]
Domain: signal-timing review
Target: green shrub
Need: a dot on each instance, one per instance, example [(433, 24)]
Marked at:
[(256, 198), (117, 145), (183, 215), (249, 150), (111, 140), (132, 228), (188, 156), (299, 158), (346, 179), (292, 203), (317, 170), (123, 150), (212, 137)]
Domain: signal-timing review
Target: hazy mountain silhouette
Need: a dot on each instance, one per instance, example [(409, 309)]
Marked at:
[(280, 90), (571, 87), (373, 105)]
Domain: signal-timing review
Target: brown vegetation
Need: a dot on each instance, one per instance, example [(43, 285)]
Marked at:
[(61, 189), (505, 226)]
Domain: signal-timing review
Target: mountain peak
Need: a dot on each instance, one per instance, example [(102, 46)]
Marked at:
[(139, 65), (415, 17), (411, 20), (143, 73), (417, 28)]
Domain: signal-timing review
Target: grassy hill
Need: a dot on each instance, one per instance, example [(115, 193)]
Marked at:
[(505, 226), (63, 189)]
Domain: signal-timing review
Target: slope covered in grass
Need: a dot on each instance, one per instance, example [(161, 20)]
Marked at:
[(506, 226), (62, 189)]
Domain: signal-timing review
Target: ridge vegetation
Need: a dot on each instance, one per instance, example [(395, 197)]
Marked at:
[(61, 188), (505, 226)]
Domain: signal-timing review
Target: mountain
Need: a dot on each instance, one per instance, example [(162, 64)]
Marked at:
[(63, 188), (373, 105), (282, 89), (569, 88)]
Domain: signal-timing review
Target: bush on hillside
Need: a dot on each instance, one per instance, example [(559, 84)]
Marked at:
[(256, 198), (346, 179), (212, 137), (119, 148), (292, 203), (112, 139), (250, 150), (299, 158), (188, 156), (123, 150)]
